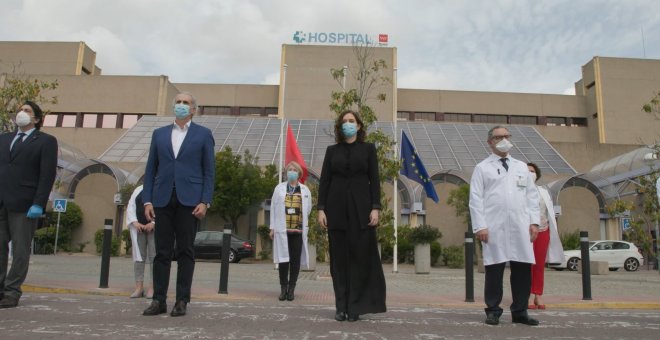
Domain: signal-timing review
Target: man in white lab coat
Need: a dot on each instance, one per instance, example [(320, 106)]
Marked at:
[(504, 207)]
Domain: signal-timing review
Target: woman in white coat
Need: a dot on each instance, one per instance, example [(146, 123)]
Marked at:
[(289, 210), (547, 245), (142, 241)]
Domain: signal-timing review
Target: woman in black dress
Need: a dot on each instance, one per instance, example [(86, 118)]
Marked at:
[(349, 205)]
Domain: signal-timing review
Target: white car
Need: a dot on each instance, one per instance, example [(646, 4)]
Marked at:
[(617, 253)]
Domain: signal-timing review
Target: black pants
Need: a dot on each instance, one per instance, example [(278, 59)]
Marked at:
[(521, 281), (289, 270), (174, 222)]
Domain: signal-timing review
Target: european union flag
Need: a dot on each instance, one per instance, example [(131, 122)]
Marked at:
[(414, 169)]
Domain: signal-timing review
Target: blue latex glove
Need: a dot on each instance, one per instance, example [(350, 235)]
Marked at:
[(35, 211)]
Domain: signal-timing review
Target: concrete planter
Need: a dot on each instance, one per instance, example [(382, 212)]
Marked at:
[(311, 251), (423, 258)]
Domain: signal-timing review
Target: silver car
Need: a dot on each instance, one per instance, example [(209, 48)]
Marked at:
[(617, 253)]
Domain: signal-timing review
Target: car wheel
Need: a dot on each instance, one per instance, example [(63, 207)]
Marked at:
[(232, 256), (631, 264), (573, 263)]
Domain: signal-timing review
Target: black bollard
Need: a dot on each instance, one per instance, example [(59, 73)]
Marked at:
[(105, 255), (224, 267), (586, 268), (469, 266)]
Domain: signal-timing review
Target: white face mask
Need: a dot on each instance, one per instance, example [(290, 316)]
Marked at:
[(504, 145), (23, 119), (533, 174)]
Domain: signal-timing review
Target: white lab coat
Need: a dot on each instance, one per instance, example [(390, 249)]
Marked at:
[(505, 203), (555, 250), (278, 224), (130, 218)]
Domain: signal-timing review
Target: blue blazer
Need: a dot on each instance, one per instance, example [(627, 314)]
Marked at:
[(192, 172)]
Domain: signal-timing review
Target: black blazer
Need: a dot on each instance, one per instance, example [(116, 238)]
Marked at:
[(349, 171), (28, 177)]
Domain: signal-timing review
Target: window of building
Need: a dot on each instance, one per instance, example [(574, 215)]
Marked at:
[(556, 121), (497, 119), (216, 110), (523, 120), (428, 116), (250, 111), (271, 112), (129, 121), (68, 120), (109, 121), (578, 121), (458, 117), (50, 120), (89, 120), (402, 115)]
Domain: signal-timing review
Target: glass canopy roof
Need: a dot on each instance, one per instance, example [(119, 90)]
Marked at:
[(442, 146)]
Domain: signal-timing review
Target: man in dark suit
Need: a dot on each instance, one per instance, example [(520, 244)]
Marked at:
[(28, 165), (178, 188)]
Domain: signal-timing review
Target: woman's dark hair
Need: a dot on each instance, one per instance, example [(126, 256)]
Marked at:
[(536, 169), (339, 135), (37, 113)]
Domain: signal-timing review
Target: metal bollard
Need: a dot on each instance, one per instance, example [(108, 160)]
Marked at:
[(105, 255), (224, 266), (586, 268), (469, 266)]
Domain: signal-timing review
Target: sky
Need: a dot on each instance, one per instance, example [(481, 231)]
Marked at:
[(477, 45)]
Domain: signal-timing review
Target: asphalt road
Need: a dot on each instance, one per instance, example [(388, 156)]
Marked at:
[(62, 316)]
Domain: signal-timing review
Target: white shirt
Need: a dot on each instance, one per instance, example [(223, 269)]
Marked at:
[(178, 135)]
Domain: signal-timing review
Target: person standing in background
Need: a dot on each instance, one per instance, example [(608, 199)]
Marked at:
[(28, 167), (547, 244), (142, 240)]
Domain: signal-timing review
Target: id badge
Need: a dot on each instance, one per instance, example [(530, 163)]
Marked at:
[(291, 211), (522, 182)]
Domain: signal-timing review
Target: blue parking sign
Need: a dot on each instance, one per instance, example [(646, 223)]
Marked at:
[(625, 223), (59, 205)]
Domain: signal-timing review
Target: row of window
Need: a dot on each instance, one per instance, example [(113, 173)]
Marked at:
[(491, 118), (126, 121)]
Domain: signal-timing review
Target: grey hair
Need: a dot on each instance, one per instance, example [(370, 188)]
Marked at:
[(194, 100), (490, 132), (297, 166)]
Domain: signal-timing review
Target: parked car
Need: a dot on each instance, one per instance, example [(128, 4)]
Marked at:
[(208, 244), (617, 253)]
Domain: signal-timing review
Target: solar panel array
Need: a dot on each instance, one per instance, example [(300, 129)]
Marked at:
[(442, 146)]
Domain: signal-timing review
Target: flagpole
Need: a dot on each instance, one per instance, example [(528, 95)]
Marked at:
[(281, 165), (395, 205)]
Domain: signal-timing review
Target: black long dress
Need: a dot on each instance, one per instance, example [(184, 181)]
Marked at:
[(349, 189)]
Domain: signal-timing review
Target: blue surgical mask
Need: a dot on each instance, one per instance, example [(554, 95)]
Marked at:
[(181, 111), (292, 175), (349, 129)]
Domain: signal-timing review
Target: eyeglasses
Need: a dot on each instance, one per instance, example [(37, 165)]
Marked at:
[(499, 138)]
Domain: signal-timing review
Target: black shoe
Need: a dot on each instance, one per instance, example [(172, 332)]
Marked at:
[(340, 316), (492, 319), (283, 293), (289, 294), (8, 302), (179, 308), (353, 317), (156, 307), (526, 320)]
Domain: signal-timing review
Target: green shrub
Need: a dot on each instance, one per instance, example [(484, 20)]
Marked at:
[(452, 257), (405, 249), (126, 238), (436, 251), (44, 238), (424, 234), (570, 241), (98, 241)]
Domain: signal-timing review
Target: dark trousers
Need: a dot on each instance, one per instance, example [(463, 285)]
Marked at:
[(521, 280), (174, 222), (289, 270), (18, 229)]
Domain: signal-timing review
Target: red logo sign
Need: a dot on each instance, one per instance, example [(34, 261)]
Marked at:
[(382, 38)]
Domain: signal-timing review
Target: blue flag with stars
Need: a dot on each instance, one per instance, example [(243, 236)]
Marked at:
[(414, 169)]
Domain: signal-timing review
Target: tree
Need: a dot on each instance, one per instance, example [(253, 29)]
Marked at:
[(369, 75), (15, 89), (240, 184), (653, 106), (459, 198)]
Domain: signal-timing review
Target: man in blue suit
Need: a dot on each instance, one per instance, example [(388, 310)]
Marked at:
[(178, 188), (28, 166)]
